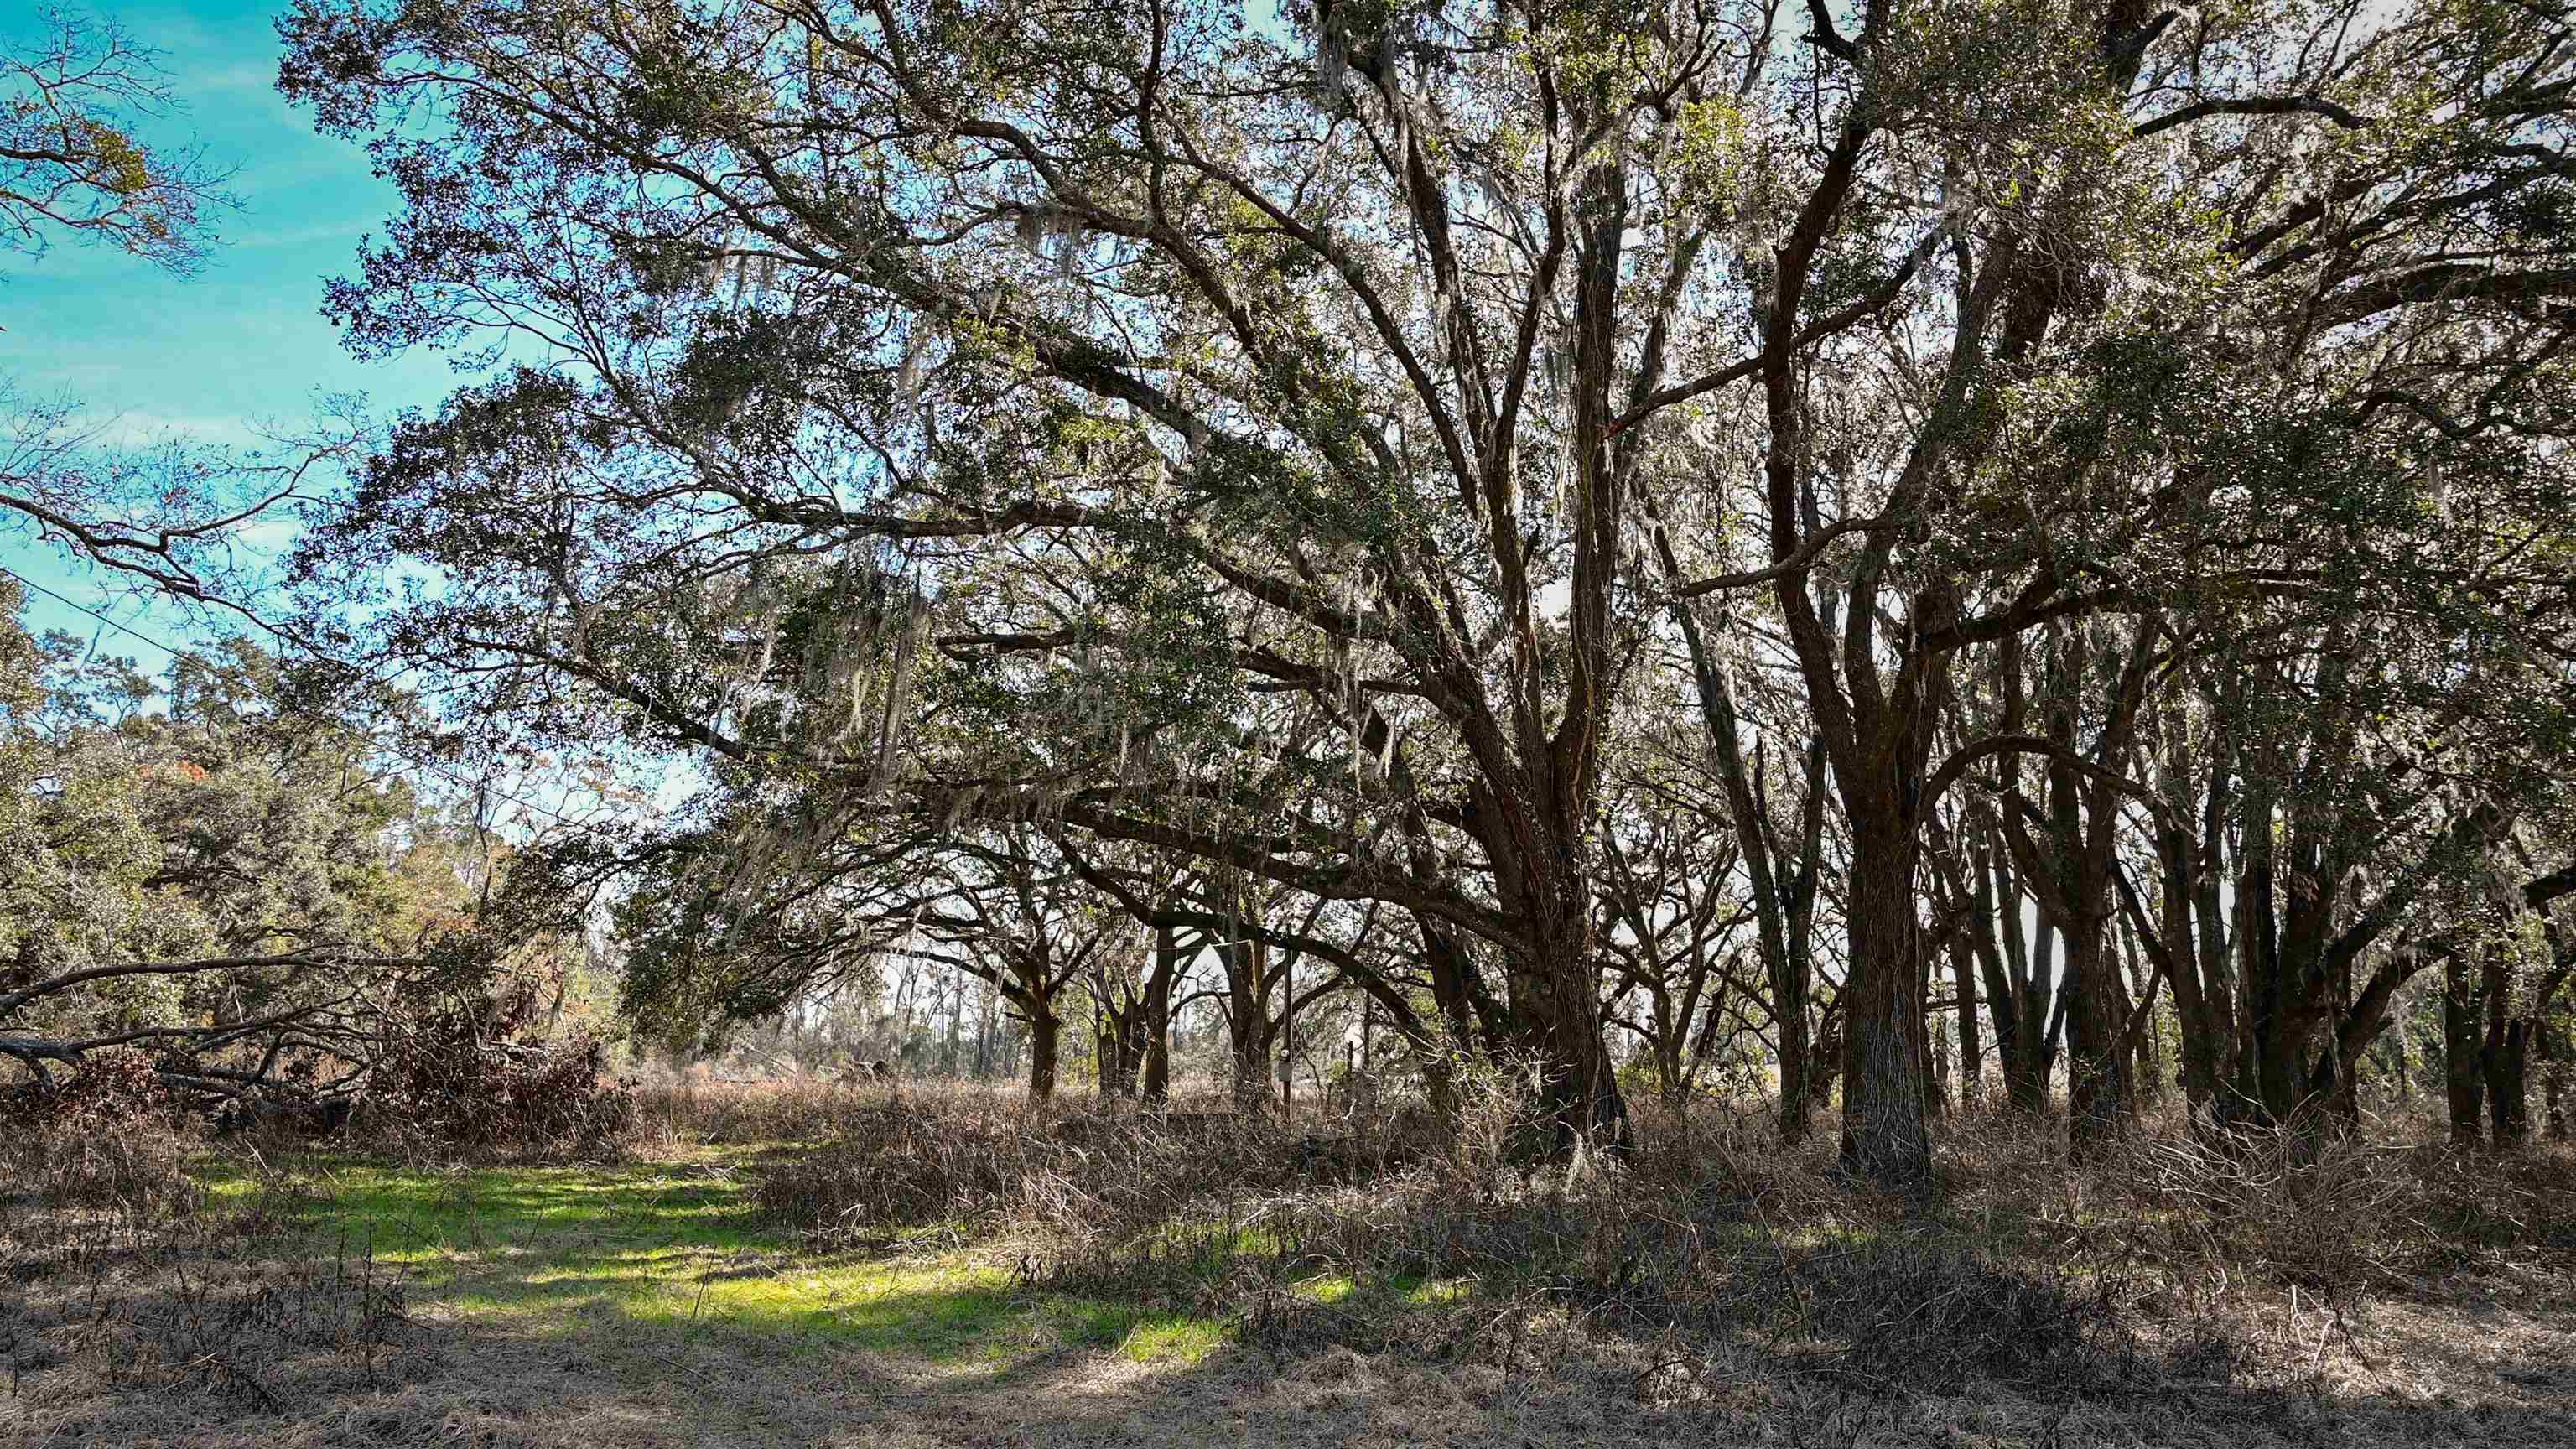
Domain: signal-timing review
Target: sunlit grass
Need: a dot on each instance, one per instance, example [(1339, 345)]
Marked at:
[(680, 1245), (1404, 1290), (1172, 1338)]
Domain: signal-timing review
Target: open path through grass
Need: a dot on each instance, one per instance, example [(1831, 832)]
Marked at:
[(678, 1244), (648, 1306)]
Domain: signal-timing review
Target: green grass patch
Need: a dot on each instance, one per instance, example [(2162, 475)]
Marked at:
[(681, 1245), (1391, 1294)]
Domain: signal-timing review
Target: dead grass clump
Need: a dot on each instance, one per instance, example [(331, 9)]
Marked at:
[(141, 1170), (224, 1310), (966, 1158), (125, 1274), (110, 1138), (2200, 1210), (1734, 1261), (1709, 1230), (2285, 1204), (2479, 1206), (688, 1111)]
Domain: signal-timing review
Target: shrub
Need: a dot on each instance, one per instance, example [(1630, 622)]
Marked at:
[(967, 1157), (474, 1073), (109, 1135)]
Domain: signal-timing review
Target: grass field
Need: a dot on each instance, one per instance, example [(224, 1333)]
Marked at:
[(679, 1245), (338, 1299)]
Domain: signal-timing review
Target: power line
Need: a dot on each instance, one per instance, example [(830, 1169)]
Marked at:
[(192, 656)]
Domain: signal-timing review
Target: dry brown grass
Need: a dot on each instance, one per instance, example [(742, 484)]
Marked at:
[(1384, 1289), (125, 1276), (674, 1114), (2020, 1267)]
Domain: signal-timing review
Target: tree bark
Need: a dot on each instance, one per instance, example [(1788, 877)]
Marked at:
[(1158, 1015), (1885, 1137), (2098, 1090), (2463, 1078), (1046, 1034), (1963, 980), (2503, 1055)]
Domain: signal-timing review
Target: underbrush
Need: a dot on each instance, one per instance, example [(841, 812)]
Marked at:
[(982, 1161), (2017, 1266), (110, 1138), (475, 1075), (1709, 1255), (121, 1265), (674, 1115), (2204, 1209)]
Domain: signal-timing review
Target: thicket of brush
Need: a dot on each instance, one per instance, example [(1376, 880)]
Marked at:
[(478, 1074), (1705, 1244), (147, 1283), (2018, 1266)]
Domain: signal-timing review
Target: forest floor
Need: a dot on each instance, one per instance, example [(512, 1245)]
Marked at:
[(350, 1302)]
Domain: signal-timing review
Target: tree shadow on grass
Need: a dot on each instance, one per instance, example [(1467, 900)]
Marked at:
[(651, 1308)]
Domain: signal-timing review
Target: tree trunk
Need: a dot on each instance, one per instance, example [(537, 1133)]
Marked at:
[(1797, 1053), (1963, 979), (2146, 1041), (1247, 1022), (2097, 1059), (1885, 1137), (1552, 1001), (1046, 1033), (1121, 1044), (1558, 1030), (2462, 1078), (1777, 903), (984, 1035), (2503, 1063), (2043, 1002), (2200, 1020), (1157, 1025)]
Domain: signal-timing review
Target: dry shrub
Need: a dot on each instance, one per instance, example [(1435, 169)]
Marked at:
[(2478, 1206), (152, 1293), (2198, 1209), (475, 1073), (110, 1137), (1708, 1228), (2017, 1266), (1711, 1230), (966, 1158), (122, 1268), (2286, 1204), (686, 1110), (223, 1308)]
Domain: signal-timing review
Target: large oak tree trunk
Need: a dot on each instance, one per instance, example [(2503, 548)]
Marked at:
[(1885, 1136), (1557, 1029), (2463, 1079), (1046, 1035)]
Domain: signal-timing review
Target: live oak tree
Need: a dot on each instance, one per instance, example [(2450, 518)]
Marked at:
[(1279, 448), (1316, 361), (2180, 267)]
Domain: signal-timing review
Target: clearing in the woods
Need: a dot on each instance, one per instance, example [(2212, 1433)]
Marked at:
[(319, 1298)]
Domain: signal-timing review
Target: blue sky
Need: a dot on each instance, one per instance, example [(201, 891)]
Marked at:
[(240, 348)]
